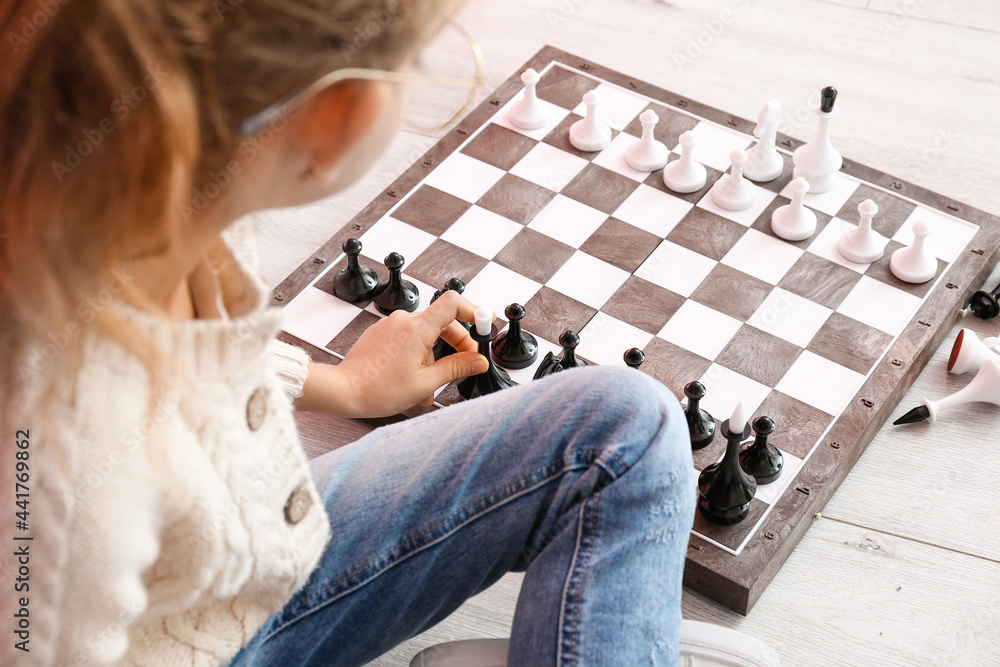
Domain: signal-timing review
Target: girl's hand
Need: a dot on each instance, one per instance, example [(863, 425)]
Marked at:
[(391, 367)]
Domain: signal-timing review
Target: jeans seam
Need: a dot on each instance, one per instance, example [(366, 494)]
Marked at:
[(569, 621), (514, 489)]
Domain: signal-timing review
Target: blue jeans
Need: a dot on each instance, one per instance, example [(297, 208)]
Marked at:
[(583, 480)]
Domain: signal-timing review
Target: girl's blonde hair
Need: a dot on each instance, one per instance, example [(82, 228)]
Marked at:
[(116, 112)]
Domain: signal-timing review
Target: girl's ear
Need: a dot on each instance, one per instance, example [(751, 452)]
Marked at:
[(334, 121)]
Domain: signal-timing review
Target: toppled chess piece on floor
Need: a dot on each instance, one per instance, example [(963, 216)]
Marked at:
[(984, 388), (355, 282), (762, 459), (494, 378), (984, 305), (968, 352), (701, 424), (724, 490), (515, 348)]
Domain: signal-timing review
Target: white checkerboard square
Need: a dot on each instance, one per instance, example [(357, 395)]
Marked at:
[(790, 466), (391, 235), (464, 177), (483, 232), (652, 210), (823, 384), (317, 317), (568, 220), (613, 157), (715, 143), (618, 107), (826, 242), (549, 167), (948, 238), (761, 200), (790, 317), (879, 305), (833, 199), (526, 375), (556, 116), (588, 280), (762, 256), (700, 329), (726, 388), (605, 339), (676, 268), (496, 287)]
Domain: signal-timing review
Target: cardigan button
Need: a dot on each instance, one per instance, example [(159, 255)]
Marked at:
[(298, 504), (257, 409)]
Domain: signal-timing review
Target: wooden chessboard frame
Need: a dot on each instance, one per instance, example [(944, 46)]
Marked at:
[(734, 581)]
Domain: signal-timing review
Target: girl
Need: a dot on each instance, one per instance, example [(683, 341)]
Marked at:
[(174, 518)]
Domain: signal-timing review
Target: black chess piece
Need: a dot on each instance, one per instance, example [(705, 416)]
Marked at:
[(515, 348), (634, 357), (355, 282), (494, 379), (724, 490), (553, 364), (396, 293), (441, 347), (985, 305), (761, 459), (701, 425)]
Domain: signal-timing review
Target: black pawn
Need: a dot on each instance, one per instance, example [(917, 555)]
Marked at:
[(701, 425), (634, 357), (441, 347), (985, 305), (828, 97), (355, 282), (515, 348), (493, 380), (724, 490), (761, 459), (396, 293), (553, 364)]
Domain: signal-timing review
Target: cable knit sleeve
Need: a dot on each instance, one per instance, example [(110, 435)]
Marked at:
[(292, 366)]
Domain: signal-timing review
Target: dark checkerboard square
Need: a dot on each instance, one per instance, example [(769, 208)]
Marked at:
[(763, 222), (431, 210), (655, 180), (669, 128), (563, 87), (620, 244), (642, 304), (784, 178), (600, 188), (850, 343), (820, 280), (892, 211), (797, 425), (880, 271), (443, 261), (343, 341), (559, 137), (325, 283), (706, 233), (732, 292), (516, 199), (672, 365), (499, 146), (534, 255), (730, 536), (549, 313), (759, 355)]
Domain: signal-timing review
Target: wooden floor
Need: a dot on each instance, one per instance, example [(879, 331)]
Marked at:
[(903, 568)]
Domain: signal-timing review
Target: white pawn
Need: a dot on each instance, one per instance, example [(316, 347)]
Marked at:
[(647, 154), (915, 264), (590, 133), (528, 112), (686, 175), (763, 163), (733, 191), (863, 245), (817, 161), (795, 222)]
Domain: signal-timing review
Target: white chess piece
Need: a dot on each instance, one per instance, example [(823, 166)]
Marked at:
[(818, 161), (590, 133), (528, 113), (795, 222), (863, 244), (647, 154), (483, 318), (968, 353), (685, 175), (763, 161), (985, 388), (732, 191), (915, 264)]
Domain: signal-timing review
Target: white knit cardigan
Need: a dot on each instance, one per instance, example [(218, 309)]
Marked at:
[(175, 532)]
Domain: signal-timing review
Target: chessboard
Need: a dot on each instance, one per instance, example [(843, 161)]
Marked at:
[(823, 346)]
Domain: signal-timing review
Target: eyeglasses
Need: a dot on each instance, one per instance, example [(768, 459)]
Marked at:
[(260, 120)]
